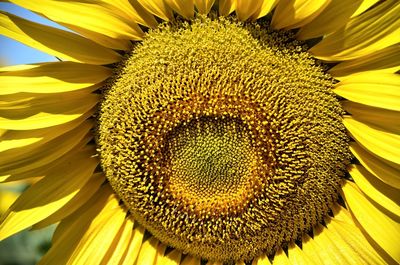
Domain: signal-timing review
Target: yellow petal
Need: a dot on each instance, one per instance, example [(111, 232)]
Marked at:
[(291, 14), (13, 142), (376, 141), (386, 60), (382, 229), (101, 211), (121, 242), (148, 252), (334, 16), (60, 43), (226, 7), (280, 258), (374, 89), (246, 8), (7, 198), (190, 260), (355, 241), (261, 260), (373, 30), (313, 250), (353, 253), (131, 9), (116, 44), (384, 170), (384, 195), (45, 154), (365, 5), (161, 248), (83, 195), (92, 16), (172, 258), (48, 194), (298, 257), (159, 8), (204, 6), (99, 237), (183, 8), (132, 251), (39, 111), (331, 254), (52, 77), (383, 118), (265, 8)]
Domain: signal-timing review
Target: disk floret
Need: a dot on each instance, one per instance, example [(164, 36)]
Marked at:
[(223, 140)]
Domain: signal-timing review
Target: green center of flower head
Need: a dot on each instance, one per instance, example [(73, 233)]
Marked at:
[(222, 139)]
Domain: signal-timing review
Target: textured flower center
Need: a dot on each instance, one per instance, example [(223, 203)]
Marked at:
[(224, 140)]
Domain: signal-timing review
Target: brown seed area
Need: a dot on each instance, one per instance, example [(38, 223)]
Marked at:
[(223, 140)]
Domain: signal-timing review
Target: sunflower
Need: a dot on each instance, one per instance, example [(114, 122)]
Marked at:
[(206, 132)]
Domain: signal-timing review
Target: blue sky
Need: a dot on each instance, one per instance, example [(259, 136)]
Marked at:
[(13, 52)]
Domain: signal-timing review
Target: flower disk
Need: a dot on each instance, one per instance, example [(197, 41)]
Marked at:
[(222, 139)]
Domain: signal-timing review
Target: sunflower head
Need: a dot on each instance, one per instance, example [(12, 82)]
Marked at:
[(203, 138)]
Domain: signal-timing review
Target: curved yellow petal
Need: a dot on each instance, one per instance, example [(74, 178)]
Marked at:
[(48, 194), (246, 8), (85, 223), (116, 44), (378, 142), (381, 228), (183, 8), (297, 256), (158, 8), (54, 77), (7, 198), (121, 242), (332, 254), (265, 9), (350, 243), (386, 60), (92, 16), (225, 7), (365, 5), (45, 154), (100, 235), (172, 258), (383, 118), (14, 143), (190, 260), (373, 30), (132, 251), (148, 252), (204, 6), (60, 43), (132, 10), (384, 195), (261, 260), (35, 112), (383, 170), (291, 14), (83, 195), (374, 89), (334, 16), (280, 258), (312, 249)]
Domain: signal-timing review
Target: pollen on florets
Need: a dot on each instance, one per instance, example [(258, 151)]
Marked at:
[(223, 140)]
